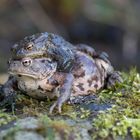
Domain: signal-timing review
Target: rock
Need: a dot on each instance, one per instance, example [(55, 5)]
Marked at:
[(96, 107), (25, 135), (27, 129), (28, 123)]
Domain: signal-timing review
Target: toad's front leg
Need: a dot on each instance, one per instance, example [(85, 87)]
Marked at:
[(7, 92), (65, 80)]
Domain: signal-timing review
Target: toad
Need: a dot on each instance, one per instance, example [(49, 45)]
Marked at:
[(40, 79), (52, 46)]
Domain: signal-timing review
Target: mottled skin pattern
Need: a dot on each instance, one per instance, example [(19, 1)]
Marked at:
[(40, 79), (52, 46), (45, 65)]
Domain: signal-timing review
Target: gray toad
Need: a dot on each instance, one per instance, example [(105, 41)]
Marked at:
[(39, 78), (52, 46)]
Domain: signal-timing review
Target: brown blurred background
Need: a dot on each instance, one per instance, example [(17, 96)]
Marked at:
[(107, 25)]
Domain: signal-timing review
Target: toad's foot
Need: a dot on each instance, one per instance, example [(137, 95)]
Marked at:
[(56, 104), (114, 78)]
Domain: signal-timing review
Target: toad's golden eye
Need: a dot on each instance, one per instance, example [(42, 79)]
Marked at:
[(29, 47)]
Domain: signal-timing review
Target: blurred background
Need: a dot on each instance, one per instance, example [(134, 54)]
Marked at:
[(107, 25)]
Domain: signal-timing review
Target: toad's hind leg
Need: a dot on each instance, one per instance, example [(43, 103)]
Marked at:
[(113, 78)]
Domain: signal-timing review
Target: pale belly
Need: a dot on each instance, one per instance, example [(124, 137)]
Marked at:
[(36, 89)]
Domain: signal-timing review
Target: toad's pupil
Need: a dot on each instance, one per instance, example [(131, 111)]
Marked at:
[(29, 48)]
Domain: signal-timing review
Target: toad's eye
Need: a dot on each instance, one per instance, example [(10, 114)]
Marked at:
[(26, 62), (29, 47)]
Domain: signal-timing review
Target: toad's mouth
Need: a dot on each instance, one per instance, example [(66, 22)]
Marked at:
[(20, 75)]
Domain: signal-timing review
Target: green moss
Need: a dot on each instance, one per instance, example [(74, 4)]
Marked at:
[(51, 127), (5, 118), (123, 118)]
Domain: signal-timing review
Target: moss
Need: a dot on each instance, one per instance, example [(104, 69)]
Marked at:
[(56, 126), (48, 128), (5, 118), (123, 118)]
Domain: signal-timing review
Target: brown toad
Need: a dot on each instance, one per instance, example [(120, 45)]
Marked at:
[(40, 79)]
